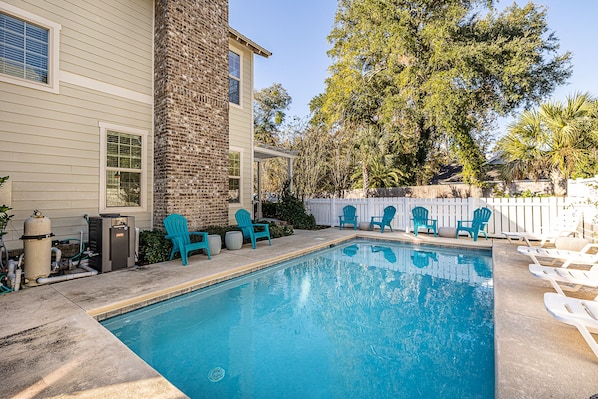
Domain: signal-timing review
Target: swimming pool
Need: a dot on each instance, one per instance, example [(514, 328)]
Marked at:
[(367, 319)]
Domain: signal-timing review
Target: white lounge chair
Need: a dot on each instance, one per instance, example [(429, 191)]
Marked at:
[(565, 227), (582, 257), (571, 279), (580, 313)]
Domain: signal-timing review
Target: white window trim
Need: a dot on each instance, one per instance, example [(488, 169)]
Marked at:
[(54, 28), (241, 62), (104, 128), (241, 202)]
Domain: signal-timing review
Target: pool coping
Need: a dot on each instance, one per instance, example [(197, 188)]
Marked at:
[(529, 344), (130, 304)]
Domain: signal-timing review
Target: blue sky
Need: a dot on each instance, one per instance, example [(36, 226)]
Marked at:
[(296, 31)]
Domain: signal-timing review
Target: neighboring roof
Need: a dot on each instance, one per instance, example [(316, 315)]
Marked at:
[(253, 46), (261, 152), (448, 174)]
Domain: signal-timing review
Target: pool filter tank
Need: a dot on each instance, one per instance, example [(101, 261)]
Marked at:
[(37, 245)]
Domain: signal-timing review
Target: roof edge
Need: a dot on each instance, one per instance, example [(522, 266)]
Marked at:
[(256, 48)]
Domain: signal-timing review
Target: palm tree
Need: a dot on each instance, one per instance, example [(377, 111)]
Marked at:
[(560, 141)]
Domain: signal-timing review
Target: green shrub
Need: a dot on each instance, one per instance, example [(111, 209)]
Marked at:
[(292, 210), (220, 230), (153, 247), (269, 209), (279, 230)]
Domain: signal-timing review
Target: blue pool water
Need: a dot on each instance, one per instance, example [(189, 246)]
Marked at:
[(361, 320)]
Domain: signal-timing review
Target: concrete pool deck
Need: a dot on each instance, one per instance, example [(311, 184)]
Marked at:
[(53, 347)]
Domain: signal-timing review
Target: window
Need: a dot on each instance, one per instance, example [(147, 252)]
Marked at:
[(234, 177), (234, 78), (123, 168), (28, 49)]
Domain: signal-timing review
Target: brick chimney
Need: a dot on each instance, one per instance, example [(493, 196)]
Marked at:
[(191, 111)]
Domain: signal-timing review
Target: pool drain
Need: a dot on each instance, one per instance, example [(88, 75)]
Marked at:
[(216, 374)]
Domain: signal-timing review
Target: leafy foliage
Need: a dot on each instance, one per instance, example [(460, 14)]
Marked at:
[(292, 210), (153, 247), (268, 110), (433, 76), (4, 209), (558, 140), (269, 209), (280, 230)]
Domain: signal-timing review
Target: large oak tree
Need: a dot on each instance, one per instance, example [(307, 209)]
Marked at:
[(431, 72)]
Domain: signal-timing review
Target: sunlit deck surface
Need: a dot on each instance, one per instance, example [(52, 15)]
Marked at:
[(53, 346)]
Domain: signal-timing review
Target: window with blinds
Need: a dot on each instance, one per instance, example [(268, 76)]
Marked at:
[(24, 49)]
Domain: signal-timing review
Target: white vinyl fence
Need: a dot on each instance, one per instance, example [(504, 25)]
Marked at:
[(532, 215)]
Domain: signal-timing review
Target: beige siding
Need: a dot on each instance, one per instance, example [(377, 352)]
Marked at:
[(241, 129), (50, 143), (103, 40)]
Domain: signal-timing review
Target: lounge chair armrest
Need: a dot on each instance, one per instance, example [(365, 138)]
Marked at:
[(264, 226), (587, 247), (199, 233)]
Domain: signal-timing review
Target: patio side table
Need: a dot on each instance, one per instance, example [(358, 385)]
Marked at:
[(233, 240)]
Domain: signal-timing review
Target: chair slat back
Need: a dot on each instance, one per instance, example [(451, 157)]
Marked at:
[(420, 213), (481, 216), (244, 221), (349, 213), (176, 225), (389, 213)]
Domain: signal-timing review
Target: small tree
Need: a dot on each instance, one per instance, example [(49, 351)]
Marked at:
[(291, 209)]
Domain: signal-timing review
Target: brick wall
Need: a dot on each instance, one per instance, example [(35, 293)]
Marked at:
[(191, 111)]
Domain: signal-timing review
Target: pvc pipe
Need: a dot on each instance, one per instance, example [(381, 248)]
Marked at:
[(12, 266), (55, 279), (17, 283), (56, 263)]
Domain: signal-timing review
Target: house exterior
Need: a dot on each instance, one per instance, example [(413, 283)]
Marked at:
[(124, 107)]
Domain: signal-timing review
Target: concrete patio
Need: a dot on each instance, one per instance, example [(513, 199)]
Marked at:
[(53, 346)]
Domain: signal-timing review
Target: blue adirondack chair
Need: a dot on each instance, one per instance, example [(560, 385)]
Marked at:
[(389, 213), (249, 228), (348, 217), (420, 219), (421, 259), (178, 233), (351, 250), (389, 254), (478, 225)]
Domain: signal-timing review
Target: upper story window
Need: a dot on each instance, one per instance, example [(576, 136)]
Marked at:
[(234, 78), (123, 167), (28, 49)]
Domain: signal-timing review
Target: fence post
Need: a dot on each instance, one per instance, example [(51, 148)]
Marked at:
[(332, 219), (406, 212)]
